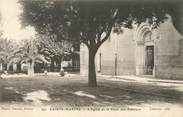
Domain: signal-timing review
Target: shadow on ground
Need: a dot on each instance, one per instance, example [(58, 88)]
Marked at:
[(74, 91)]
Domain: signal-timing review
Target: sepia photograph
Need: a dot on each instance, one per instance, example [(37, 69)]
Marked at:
[(102, 57)]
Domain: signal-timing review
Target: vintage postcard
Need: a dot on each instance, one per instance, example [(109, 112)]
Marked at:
[(91, 58)]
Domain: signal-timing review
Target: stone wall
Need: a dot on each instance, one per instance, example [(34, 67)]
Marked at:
[(120, 47), (83, 60), (118, 57), (169, 53)]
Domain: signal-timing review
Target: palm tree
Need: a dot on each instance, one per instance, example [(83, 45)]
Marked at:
[(6, 49), (28, 53)]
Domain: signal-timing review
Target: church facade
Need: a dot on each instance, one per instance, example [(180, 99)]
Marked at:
[(140, 51)]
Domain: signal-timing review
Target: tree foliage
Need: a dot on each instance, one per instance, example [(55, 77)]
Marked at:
[(7, 48), (79, 18), (51, 47), (27, 52), (55, 49)]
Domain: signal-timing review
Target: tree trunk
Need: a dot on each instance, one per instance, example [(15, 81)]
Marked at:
[(52, 65), (6, 68), (31, 69), (14, 67), (19, 67), (1, 67), (91, 71), (60, 65)]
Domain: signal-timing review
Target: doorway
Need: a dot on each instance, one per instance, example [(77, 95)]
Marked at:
[(149, 63)]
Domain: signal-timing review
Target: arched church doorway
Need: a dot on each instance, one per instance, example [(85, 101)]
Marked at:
[(144, 50)]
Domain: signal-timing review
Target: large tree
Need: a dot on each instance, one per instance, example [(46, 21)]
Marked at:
[(52, 48), (27, 52), (90, 22)]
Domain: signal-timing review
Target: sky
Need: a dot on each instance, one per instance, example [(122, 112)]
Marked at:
[(10, 11)]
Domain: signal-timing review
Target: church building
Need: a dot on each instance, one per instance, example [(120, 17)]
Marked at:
[(142, 51)]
